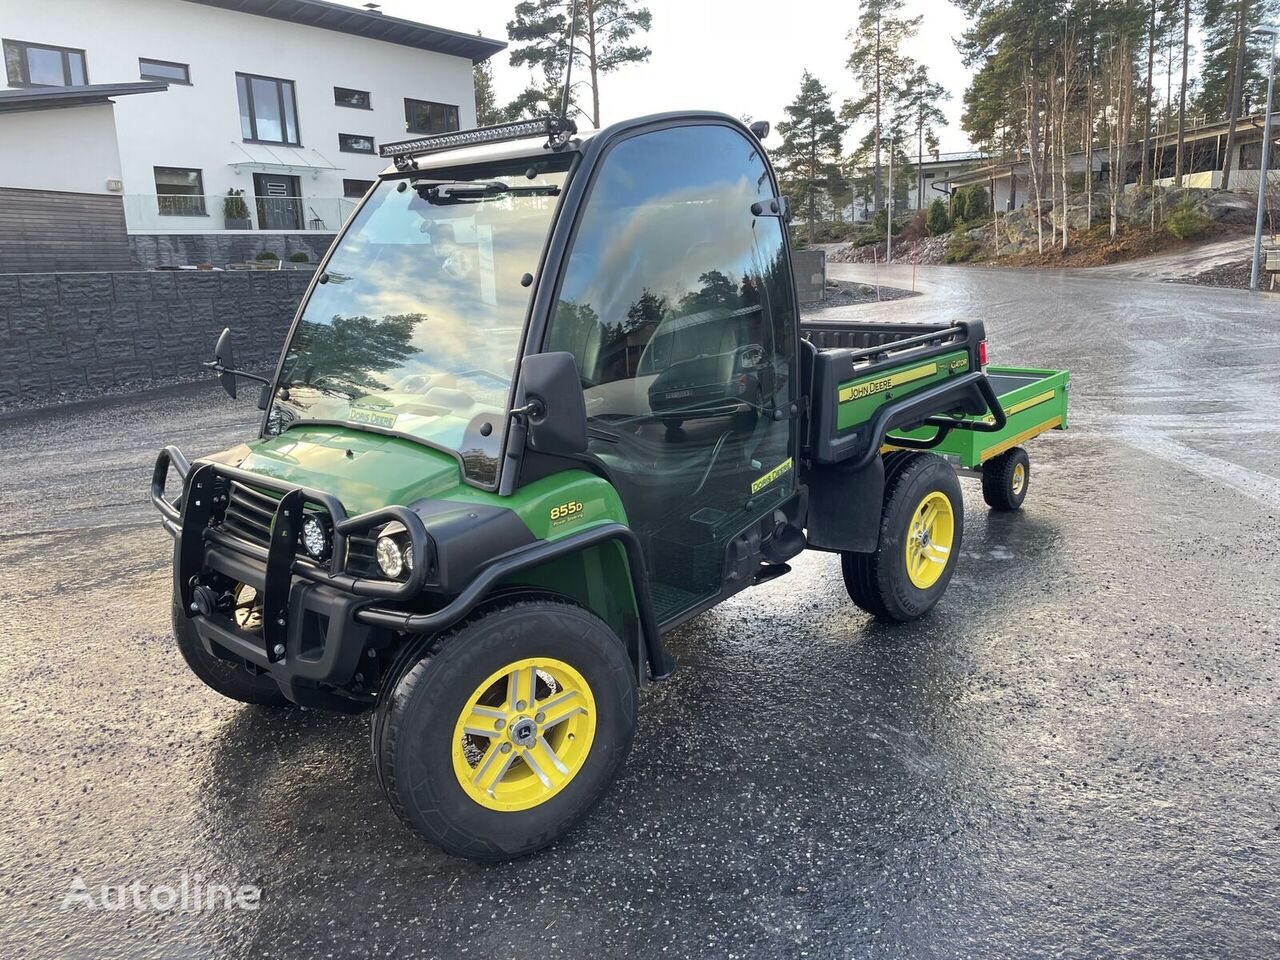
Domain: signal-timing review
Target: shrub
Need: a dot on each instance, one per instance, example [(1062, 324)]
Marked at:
[(938, 221), (266, 255), (912, 227), (1186, 222), (961, 249), (299, 256), (959, 206), (977, 206), (234, 207)]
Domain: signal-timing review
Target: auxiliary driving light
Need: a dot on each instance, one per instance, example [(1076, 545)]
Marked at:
[(315, 538), (390, 557)]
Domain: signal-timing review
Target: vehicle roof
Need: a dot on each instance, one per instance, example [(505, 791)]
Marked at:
[(537, 145), (488, 153)]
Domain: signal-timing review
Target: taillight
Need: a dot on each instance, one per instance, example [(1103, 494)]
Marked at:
[(982, 353)]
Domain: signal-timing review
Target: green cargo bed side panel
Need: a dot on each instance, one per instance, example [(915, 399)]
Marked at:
[(1031, 409), (861, 397)]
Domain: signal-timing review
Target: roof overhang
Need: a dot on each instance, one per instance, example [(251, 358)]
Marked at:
[(52, 98), (367, 23)]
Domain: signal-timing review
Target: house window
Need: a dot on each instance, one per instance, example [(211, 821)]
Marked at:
[(355, 189), (355, 143), (164, 70), (422, 116), (180, 192), (268, 110), (39, 65), (346, 97)]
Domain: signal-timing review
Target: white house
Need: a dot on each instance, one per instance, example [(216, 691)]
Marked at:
[(282, 100)]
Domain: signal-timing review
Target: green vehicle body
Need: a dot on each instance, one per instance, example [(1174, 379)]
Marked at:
[(367, 471)]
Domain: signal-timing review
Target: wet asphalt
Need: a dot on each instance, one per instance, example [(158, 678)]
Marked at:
[(1076, 755)]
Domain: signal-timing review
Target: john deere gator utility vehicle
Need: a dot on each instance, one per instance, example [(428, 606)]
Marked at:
[(548, 397)]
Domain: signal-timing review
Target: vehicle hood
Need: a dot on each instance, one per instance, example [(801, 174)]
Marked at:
[(365, 471)]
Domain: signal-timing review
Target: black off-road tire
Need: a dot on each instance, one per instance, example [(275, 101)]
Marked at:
[(878, 582), (419, 705), (1004, 487), (232, 681)]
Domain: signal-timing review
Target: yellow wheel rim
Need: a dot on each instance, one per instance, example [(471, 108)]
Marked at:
[(1019, 478), (930, 539), (524, 734)]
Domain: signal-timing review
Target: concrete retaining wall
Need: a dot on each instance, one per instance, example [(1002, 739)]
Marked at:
[(68, 333)]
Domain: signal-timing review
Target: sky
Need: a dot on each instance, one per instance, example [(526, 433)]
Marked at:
[(735, 56)]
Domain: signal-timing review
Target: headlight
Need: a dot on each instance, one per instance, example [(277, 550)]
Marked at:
[(390, 558), (408, 557), (315, 538)]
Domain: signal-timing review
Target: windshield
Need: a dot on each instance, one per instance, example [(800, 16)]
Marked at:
[(415, 325)]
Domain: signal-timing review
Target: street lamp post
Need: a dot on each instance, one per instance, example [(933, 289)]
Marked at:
[(1266, 156), (888, 221)]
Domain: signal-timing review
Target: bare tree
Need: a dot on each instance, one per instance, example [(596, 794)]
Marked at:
[(1236, 95), (1179, 163)]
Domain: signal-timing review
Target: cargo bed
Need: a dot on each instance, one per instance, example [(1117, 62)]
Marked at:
[(1034, 401), (883, 361)]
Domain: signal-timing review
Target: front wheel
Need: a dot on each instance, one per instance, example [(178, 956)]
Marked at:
[(920, 530), (503, 734), (233, 681)]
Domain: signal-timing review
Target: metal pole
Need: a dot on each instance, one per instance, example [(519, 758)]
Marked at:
[(1266, 158), (888, 229)]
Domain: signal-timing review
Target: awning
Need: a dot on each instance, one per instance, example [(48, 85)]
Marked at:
[(259, 156)]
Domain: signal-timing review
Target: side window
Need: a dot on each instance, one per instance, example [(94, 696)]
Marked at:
[(676, 297)]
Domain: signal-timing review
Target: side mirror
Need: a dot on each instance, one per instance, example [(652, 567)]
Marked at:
[(224, 355), (224, 365), (552, 391)]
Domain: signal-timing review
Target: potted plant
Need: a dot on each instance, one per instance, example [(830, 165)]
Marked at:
[(235, 212)]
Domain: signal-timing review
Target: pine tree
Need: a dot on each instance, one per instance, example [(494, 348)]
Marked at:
[(878, 64), (938, 221), (487, 112), (810, 149), (603, 43), (921, 116)]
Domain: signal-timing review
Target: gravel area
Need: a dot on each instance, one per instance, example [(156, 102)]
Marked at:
[(1234, 275), (1076, 755), (846, 293)]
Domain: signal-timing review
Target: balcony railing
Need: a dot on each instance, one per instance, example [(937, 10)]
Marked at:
[(193, 213)]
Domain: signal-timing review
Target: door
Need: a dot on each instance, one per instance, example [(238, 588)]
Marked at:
[(279, 206), (677, 303)]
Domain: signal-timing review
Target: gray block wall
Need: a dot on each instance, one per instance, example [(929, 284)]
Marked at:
[(71, 333), (151, 250)]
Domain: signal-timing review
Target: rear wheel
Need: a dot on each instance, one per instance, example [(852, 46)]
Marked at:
[(504, 733), (1005, 479), (920, 531), (233, 681)]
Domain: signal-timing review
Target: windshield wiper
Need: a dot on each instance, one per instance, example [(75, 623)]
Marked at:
[(470, 191)]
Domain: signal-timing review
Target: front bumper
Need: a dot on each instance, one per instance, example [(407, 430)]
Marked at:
[(312, 631), (319, 621)]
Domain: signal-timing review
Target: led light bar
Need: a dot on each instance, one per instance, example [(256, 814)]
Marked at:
[(551, 127)]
